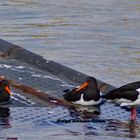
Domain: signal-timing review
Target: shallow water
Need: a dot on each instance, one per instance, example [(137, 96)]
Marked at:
[(99, 38), (60, 123)]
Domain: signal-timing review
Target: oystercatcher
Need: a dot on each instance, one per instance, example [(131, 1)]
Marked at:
[(127, 95), (87, 94), (5, 92)]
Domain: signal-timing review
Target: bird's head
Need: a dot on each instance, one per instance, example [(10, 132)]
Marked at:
[(4, 84), (89, 81)]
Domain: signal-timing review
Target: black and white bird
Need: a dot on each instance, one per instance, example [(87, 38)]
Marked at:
[(5, 92), (127, 95), (87, 94)]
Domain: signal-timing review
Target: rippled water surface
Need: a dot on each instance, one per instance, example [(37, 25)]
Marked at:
[(27, 123), (100, 38), (97, 37)]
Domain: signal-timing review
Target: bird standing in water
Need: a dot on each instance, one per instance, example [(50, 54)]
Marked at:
[(87, 94), (5, 92), (127, 95)]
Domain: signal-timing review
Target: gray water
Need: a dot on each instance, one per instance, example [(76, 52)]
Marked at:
[(96, 37)]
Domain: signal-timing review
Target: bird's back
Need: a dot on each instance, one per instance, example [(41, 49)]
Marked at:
[(127, 94), (131, 86)]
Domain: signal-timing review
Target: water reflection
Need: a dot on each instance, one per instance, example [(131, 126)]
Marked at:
[(111, 128), (84, 113), (132, 129), (4, 117), (124, 129), (103, 127)]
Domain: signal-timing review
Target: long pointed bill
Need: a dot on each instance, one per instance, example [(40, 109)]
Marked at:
[(82, 86), (8, 90)]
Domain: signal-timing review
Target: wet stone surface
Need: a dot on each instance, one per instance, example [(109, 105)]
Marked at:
[(31, 76)]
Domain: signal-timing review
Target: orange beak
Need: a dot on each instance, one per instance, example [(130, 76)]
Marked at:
[(8, 90), (82, 86)]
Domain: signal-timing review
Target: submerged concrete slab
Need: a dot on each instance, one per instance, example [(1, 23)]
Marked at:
[(57, 69), (32, 70)]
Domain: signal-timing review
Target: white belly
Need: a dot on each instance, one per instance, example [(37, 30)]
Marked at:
[(130, 103), (120, 101), (138, 90), (82, 102)]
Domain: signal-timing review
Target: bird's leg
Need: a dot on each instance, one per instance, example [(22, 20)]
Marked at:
[(133, 113)]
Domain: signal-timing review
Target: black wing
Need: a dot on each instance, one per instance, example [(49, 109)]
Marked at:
[(72, 95), (131, 86), (125, 94)]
